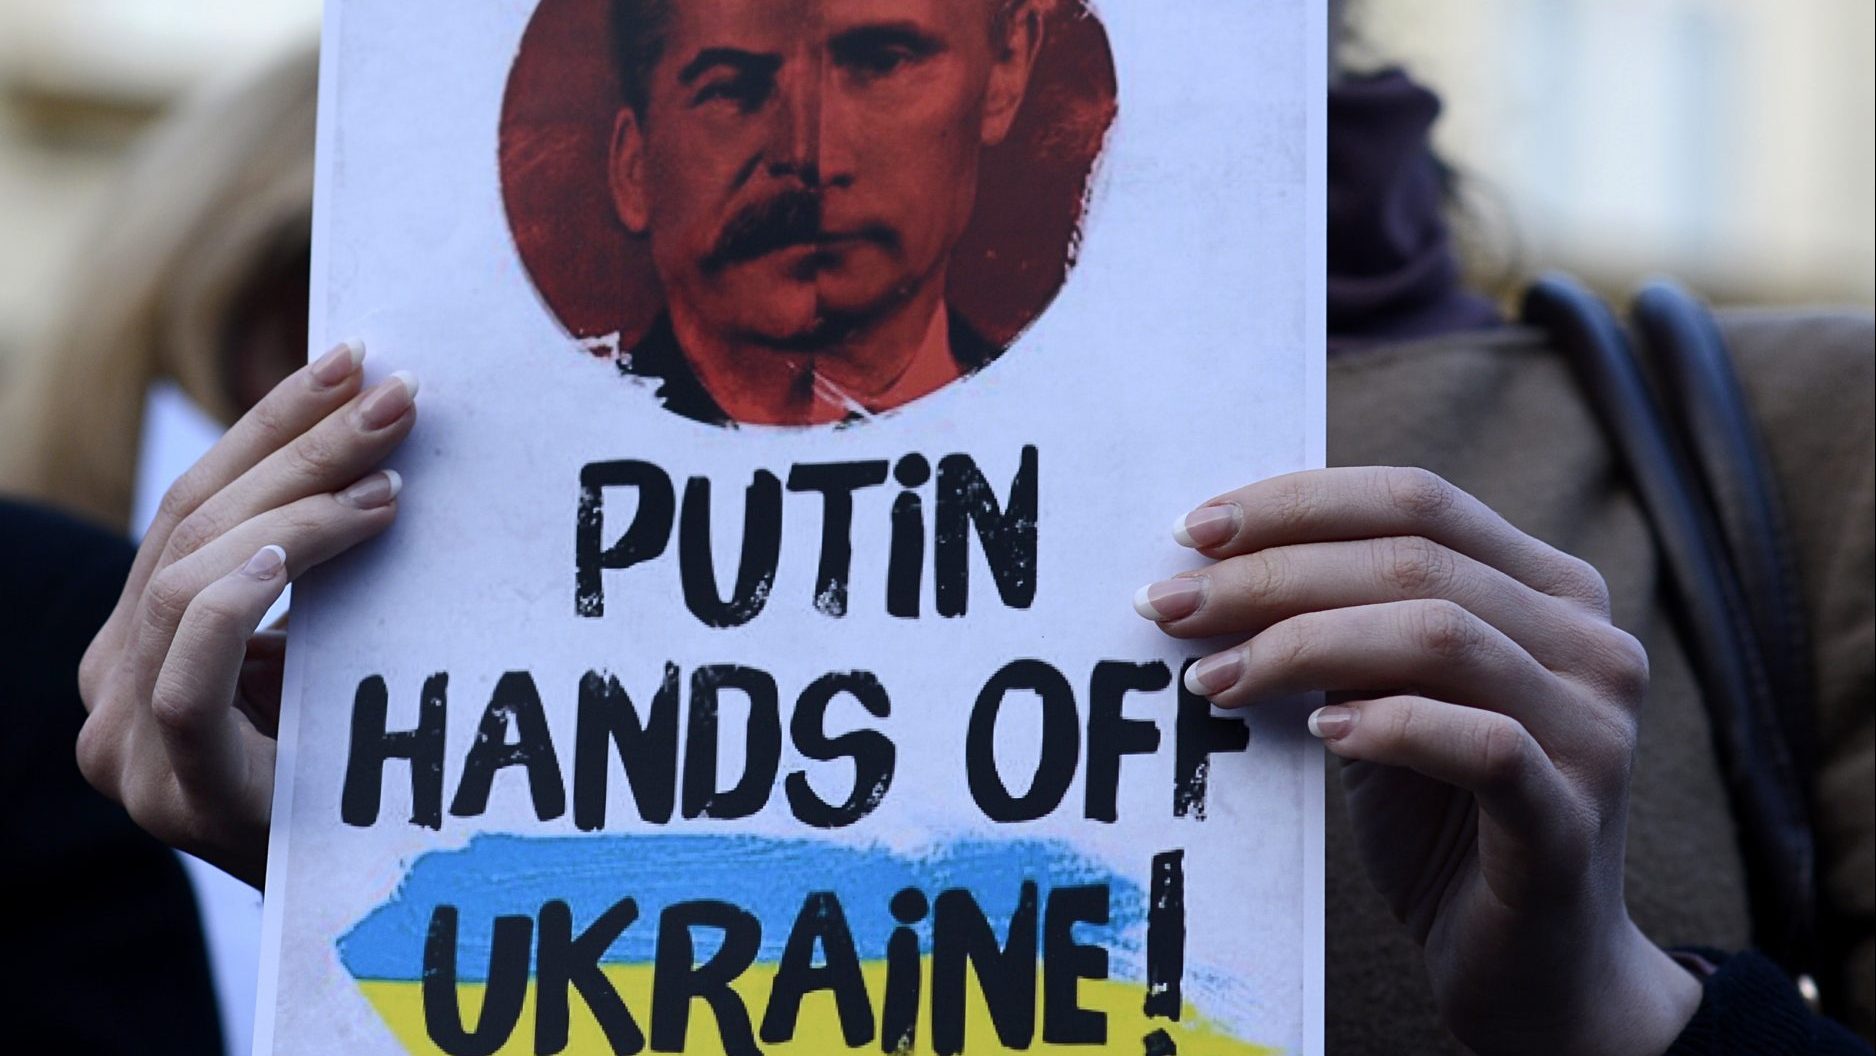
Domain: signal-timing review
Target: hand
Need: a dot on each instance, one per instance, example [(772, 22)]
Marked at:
[(183, 694), (1487, 711)]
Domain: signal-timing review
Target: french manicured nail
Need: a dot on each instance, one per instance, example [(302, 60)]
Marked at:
[(1207, 526), (268, 564), (1333, 722), (1216, 673), (388, 401), (373, 491), (1170, 599), (338, 364)]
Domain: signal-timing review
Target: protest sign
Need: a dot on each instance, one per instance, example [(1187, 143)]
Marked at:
[(807, 387)]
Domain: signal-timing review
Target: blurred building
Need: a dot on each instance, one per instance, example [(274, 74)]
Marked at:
[(78, 79), (1730, 142)]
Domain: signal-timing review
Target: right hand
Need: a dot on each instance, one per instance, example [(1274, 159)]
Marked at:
[(1487, 707), (183, 692)]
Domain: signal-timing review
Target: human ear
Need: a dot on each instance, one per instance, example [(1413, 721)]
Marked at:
[(627, 172), (1010, 63)]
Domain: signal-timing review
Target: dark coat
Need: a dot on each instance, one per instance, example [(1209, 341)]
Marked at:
[(658, 356), (1499, 414)]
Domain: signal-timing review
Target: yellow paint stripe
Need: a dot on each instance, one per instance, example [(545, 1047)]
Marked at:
[(817, 1032)]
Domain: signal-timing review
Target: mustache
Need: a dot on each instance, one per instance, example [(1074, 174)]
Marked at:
[(790, 218)]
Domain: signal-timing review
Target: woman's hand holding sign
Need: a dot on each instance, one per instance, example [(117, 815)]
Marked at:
[(1487, 709), (183, 694)]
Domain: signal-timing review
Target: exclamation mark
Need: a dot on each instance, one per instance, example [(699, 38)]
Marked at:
[(1165, 947)]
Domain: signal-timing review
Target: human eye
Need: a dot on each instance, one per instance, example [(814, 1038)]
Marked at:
[(874, 54), (880, 61), (730, 76), (746, 90)]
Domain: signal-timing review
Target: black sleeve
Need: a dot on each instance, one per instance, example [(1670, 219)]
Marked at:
[(103, 948), (1749, 1007)]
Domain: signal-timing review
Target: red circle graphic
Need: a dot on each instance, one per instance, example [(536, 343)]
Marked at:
[(556, 142)]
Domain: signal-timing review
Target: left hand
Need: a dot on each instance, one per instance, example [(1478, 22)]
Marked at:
[(1487, 709), (183, 694)]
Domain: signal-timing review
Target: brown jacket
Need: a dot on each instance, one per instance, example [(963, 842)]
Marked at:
[(1499, 414)]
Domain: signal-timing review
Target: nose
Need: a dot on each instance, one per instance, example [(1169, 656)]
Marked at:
[(795, 130), (805, 147)]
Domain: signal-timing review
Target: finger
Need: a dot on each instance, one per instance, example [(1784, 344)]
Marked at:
[(1250, 592), (257, 691), (191, 701), (311, 531), (337, 450), (295, 405), (1488, 754), (1326, 505), (1436, 647)]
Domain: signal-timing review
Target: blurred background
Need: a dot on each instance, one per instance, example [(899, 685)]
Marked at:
[(78, 80), (1728, 142), (1731, 143)]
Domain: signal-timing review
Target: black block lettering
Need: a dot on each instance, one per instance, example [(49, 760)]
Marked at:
[(1065, 963), (755, 572), (836, 481), (1199, 735), (515, 704), (1110, 735), (872, 752), (1007, 532), (566, 960), (762, 743), (678, 979), (647, 749), (1166, 935), (372, 746), (820, 925), (962, 940), (643, 540), (503, 995), (1061, 743)]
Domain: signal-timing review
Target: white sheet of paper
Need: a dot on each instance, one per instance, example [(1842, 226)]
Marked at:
[(468, 229)]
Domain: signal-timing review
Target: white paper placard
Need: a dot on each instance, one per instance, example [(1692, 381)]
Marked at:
[(646, 729)]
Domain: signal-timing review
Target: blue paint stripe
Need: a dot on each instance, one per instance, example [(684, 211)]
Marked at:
[(498, 875)]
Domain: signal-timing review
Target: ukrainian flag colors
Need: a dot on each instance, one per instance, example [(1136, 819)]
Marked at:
[(768, 879)]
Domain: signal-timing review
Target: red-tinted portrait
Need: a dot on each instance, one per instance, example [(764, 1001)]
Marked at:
[(797, 212)]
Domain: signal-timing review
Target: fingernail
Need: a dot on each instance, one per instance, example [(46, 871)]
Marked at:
[(1171, 599), (338, 364), (1333, 722), (1215, 674), (1207, 526), (373, 491), (266, 565), (388, 401)]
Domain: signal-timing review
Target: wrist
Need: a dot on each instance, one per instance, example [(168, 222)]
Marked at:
[(1639, 1004), (1567, 994)]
